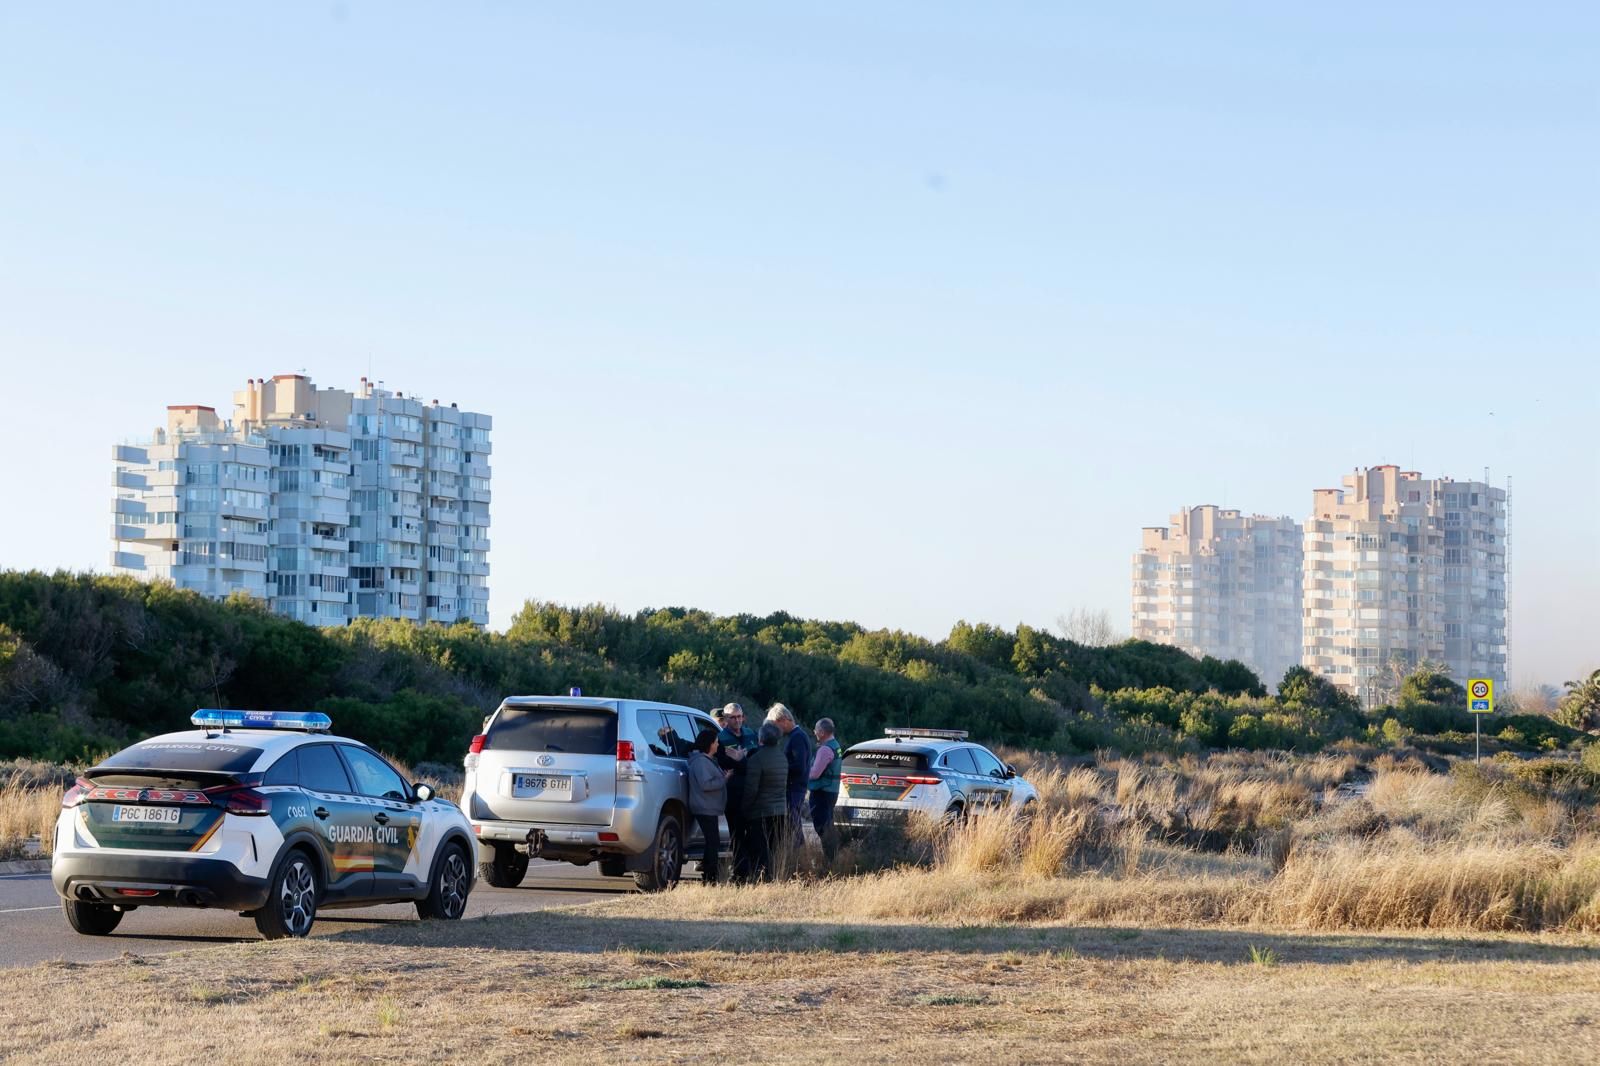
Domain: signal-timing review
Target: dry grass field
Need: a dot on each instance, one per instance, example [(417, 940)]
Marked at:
[(770, 975), (1360, 906)]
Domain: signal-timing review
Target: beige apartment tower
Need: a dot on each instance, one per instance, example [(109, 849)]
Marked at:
[(1222, 583), (1401, 570)]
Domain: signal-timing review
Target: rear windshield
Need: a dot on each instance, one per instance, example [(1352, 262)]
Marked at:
[(573, 730), (213, 756), (884, 760)]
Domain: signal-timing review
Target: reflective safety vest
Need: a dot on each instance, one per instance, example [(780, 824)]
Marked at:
[(829, 781)]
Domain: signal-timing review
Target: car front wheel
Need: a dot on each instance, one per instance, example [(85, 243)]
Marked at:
[(292, 905), (91, 919), (447, 895)]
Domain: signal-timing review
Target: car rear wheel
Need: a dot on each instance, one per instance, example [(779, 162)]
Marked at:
[(506, 869), (291, 906), (666, 855), (447, 894), (91, 919)]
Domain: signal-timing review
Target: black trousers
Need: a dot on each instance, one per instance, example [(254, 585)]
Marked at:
[(762, 837), (740, 846), (713, 844)]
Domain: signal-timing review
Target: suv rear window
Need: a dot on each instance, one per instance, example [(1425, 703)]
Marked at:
[(210, 756), (574, 730), (884, 760)]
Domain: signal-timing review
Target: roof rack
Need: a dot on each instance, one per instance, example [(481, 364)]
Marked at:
[(918, 731)]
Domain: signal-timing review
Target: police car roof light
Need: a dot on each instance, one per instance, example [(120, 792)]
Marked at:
[(305, 721), (918, 731)]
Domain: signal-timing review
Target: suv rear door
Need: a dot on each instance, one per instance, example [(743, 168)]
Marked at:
[(550, 763)]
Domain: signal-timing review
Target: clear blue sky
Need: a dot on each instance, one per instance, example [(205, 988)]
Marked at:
[(896, 313)]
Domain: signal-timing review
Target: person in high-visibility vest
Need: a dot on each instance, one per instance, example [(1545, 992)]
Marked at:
[(824, 786)]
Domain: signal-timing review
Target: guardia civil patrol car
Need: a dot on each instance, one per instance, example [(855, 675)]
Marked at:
[(260, 812), (938, 773)]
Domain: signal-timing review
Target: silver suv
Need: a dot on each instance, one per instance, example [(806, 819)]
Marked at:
[(583, 779)]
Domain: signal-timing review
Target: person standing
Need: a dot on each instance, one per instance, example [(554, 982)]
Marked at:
[(708, 799), (735, 742), (765, 809), (825, 786), (797, 752)]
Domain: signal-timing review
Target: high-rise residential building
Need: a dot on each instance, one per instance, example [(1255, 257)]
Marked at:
[(1222, 583), (1401, 570), (328, 505)]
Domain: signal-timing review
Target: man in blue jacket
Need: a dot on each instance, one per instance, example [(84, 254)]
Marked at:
[(797, 752)]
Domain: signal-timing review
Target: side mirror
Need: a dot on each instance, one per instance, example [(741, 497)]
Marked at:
[(1011, 771), (422, 792)]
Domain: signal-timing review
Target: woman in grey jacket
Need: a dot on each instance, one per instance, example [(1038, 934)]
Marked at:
[(708, 798)]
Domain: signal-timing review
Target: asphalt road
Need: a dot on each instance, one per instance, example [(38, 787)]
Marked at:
[(33, 929)]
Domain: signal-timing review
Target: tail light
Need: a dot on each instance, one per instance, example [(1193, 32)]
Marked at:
[(913, 780), (473, 750), (76, 794), (240, 799), (627, 769)]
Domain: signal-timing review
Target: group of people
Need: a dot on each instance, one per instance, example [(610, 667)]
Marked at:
[(766, 781)]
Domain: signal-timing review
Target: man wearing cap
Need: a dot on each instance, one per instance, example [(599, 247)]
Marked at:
[(736, 740)]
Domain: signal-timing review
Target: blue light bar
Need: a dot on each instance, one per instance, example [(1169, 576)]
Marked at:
[(306, 721)]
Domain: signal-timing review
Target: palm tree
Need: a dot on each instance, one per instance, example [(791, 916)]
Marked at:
[(1580, 707)]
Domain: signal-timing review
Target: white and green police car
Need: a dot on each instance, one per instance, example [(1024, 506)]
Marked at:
[(260, 812), (937, 773)]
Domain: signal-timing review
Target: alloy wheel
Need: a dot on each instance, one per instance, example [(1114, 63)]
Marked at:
[(453, 885), (297, 901)]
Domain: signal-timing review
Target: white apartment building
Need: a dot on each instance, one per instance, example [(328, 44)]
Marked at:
[(1221, 583), (328, 505), (1401, 569)]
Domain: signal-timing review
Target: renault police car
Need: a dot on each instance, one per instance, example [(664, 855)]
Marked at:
[(260, 812), (933, 772)]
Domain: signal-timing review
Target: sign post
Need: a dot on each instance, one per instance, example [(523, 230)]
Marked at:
[(1480, 701)]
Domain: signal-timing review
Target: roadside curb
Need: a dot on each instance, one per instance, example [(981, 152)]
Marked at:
[(24, 866)]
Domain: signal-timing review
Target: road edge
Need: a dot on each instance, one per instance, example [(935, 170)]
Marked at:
[(24, 866)]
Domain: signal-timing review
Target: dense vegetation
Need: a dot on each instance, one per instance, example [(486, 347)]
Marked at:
[(88, 663)]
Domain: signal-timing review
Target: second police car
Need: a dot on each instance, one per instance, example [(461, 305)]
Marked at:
[(932, 772), (260, 812)]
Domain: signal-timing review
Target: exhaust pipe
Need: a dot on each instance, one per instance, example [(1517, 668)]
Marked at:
[(191, 898)]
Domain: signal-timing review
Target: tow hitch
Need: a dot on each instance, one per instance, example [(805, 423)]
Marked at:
[(535, 842)]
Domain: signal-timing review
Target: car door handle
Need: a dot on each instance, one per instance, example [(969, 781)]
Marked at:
[(383, 819), (321, 812)]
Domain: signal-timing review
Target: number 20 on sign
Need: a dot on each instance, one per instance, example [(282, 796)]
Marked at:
[(1480, 695)]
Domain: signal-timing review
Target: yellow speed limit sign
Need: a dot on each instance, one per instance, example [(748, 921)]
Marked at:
[(1480, 695)]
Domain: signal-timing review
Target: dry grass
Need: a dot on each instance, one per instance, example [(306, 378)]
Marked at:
[(653, 978), (1250, 838), (1154, 911), (27, 811)]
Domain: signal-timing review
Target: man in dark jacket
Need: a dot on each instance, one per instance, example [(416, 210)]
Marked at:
[(797, 753), (736, 741), (766, 815)]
